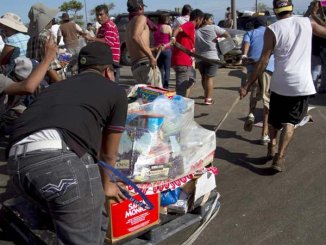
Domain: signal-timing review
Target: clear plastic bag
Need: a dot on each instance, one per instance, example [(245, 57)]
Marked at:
[(163, 142)]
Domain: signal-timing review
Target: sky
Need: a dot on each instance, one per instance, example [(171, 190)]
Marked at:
[(216, 7)]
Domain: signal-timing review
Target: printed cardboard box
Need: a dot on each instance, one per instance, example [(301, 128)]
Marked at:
[(128, 219)]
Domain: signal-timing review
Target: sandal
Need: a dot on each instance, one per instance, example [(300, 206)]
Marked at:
[(278, 163), (209, 101)]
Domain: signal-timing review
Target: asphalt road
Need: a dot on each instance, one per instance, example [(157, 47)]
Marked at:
[(257, 206)]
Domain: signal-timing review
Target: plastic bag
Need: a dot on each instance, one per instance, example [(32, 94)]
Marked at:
[(170, 197), (155, 77)]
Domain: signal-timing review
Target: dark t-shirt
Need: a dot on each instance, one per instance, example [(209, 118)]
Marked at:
[(79, 107)]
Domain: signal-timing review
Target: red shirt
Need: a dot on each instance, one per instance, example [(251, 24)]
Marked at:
[(186, 39), (109, 32)]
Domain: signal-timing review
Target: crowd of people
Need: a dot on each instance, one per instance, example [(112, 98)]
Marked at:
[(56, 142)]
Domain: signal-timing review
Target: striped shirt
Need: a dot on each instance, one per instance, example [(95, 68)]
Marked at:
[(109, 32)]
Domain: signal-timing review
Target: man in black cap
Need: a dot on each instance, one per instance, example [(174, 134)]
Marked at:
[(291, 85), (57, 141)]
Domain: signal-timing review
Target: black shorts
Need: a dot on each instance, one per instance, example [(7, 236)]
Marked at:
[(286, 109)]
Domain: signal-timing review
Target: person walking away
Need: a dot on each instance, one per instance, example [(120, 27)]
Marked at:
[(162, 38), (58, 140), (39, 30), (70, 32), (185, 16), (182, 62), (322, 49), (15, 38), (205, 44), (253, 42), (290, 40), (143, 63), (108, 34)]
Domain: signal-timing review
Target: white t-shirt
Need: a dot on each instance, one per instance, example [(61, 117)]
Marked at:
[(180, 21), (292, 52), (54, 30)]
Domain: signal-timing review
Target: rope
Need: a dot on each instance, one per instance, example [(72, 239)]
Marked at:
[(210, 217)]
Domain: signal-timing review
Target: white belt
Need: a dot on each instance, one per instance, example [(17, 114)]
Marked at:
[(34, 146)]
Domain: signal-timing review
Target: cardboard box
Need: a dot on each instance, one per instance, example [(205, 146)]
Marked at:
[(198, 188), (204, 184), (127, 218)]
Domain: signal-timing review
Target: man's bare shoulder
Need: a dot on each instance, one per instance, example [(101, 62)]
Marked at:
[(137, 21)]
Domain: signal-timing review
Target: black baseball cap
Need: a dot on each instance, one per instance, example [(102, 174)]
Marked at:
[(282, 6), (95, 53), (135, 4)]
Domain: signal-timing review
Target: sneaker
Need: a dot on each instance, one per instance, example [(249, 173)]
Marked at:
[(278, 163), (249, 122), (271, 151), (265, 140), (209, 101)]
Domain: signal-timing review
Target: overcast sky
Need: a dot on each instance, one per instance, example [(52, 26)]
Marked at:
[(216, 7)]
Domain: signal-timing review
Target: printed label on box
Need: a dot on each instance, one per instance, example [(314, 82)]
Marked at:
[(128, 218)]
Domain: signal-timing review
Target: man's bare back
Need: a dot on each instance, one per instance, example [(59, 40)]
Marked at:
[(138, 38)]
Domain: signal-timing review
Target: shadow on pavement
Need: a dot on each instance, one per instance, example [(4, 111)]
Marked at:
[(201, 115), (226, 134), (236, 73), (319, 99), (198, 97), (240, 159), (228, 88)]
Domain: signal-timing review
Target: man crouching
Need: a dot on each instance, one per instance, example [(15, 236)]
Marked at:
[(57, 141)]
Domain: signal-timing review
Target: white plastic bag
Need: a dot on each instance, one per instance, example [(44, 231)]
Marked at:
[(155, 77)]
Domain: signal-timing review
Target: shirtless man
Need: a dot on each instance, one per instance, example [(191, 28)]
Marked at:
[(138, 42)]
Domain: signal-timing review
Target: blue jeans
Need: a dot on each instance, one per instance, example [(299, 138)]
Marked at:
[(69, 188), (322, 87), (164, 64)]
